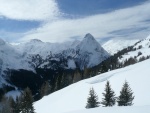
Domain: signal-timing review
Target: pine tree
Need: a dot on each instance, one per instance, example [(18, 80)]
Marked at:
[(27, 102), (92, 100), (109, 96), (126, 96)]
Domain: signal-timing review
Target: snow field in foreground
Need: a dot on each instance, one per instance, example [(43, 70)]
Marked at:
[(137, 109), (74, 97)]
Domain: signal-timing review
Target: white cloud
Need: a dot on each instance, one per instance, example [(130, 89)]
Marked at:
[(99, 25), (29, 9)]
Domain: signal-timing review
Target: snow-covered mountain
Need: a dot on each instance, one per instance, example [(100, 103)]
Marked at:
[(36, 46), (141, 50), (20, 53), (74, 97), (115, 45), (91, 51), (86, 53), (10, 58), (36, 54)]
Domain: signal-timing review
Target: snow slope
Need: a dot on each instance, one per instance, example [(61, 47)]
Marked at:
[(74, 97), (137, 109), (11, 58), (142, 46), (114, 45)]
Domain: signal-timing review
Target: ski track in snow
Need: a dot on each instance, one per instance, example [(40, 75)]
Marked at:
[(106, 77)]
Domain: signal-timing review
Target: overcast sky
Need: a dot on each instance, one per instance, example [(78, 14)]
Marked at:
[(63, 20)]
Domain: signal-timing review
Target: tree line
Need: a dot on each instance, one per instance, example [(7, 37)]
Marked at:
[(24, 102), (109, 98), (21, 104)]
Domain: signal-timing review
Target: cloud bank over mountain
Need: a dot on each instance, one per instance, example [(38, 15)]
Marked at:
[(54, 26)]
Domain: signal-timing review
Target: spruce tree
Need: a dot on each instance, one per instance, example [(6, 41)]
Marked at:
[(27, 102), (92, 100), (109, 96), (126, 96)]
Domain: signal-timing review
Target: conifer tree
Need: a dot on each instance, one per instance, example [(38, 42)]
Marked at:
[(27, 102), (126, 96), (45, 89), (109, 96), (92, 100)]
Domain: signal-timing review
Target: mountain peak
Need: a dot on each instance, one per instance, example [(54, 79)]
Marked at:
[(91, 51), (89, 42), (35, 41), (89, 36)]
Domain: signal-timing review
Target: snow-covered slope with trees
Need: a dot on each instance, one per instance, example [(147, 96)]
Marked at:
[(10, 58), (74, 97), (115, 45), (140, 51)]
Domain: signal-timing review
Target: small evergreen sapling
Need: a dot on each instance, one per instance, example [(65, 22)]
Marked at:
[(126, 96), (92, 100), (109, 96)]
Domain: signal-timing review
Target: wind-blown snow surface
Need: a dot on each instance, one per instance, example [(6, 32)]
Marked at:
[(74, 97)]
